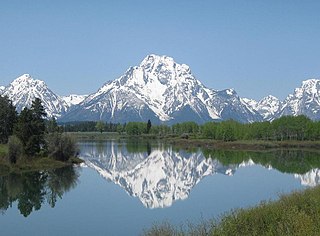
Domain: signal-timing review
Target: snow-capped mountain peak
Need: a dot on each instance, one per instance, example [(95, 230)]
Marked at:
[(304, 100), (23, 90), (161, 90)]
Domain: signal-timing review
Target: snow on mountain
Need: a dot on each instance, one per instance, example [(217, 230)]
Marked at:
[(157, 179), (268, 107), (250, 103), (73, 99), (304, 100), (1, 89), (23, 90), (161, 90)]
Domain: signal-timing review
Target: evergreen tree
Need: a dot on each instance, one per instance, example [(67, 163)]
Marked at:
[(148, 126), (23, 128), (52, 126), (31, 128), (8, 117)]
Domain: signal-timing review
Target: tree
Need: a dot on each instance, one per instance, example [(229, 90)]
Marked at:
[(100, 126), (8, 117), (148, 126), (61, 146), (31, 127), (15, 149), (52, 126)]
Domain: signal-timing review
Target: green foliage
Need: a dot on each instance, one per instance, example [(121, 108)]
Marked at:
[(61, 146), (8, 117), (136, 128), (15, 149), (185, 128), (89, 126), (100, 126), (31, 127), (294, 214), (285, 128), (52, 126), (3, 151)]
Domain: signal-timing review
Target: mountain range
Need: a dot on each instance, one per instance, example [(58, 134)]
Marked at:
[(163, 91)]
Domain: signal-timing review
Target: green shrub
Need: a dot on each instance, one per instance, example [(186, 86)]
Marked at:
[(15, 149), (61, 146)]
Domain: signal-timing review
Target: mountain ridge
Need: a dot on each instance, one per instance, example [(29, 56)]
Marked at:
[(163, 91)]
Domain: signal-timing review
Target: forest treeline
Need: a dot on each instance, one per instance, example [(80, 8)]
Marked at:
[(285, 128)]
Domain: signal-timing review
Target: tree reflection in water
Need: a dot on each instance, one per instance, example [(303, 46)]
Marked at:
[(31, 190)]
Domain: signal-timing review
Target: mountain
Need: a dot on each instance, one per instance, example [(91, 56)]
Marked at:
[(23, 90), (161, 90), (73, 99), (304, 101), (267, 107)]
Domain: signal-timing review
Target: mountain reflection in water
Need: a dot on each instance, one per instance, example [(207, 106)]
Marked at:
[(159, 175), (31, 190)]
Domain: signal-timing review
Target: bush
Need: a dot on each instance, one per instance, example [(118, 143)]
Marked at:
[(61, 146), (15, 149)]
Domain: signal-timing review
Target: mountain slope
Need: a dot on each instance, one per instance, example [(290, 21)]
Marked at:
[(268, 107), (23, 90), (161, 90), (305, 100), (73, 99)]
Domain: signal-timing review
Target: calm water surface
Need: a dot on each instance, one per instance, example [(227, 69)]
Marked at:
[(127, 186)]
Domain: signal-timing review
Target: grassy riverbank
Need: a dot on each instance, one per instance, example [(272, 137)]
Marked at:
[(294, 214), (31, 164)]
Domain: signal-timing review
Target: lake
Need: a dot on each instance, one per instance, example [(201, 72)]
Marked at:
[(126, 186)]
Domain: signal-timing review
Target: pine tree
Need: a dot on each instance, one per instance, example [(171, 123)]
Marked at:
[(148, 126), (31, 128), (8, 117)]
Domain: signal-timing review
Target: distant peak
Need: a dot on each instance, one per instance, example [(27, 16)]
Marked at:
[(230, 92), (27, 79), (153, 58), (310, 82), (24, 76), (270, 97)]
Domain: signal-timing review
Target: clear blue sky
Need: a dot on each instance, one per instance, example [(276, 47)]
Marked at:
[(256, 47)]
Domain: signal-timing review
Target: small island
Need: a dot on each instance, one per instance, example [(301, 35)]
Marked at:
[(30, 142)]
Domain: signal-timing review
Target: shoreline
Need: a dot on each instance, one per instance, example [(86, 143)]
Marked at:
[(187, 143), (29, 165)]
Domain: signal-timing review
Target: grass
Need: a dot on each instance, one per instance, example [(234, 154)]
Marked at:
[(297, 213)]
